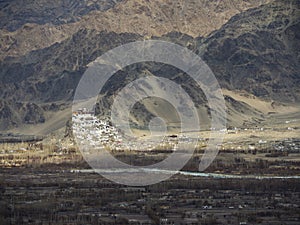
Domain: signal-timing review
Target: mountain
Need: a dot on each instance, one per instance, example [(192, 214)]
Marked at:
[(57, 12), (43, 24), (255, 56), (48, 77), (259, 51)]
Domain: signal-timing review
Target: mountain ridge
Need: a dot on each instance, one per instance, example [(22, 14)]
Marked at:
[(43, 81), (146, 18)]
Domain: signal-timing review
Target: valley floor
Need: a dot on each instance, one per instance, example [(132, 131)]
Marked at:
[(44, 183), (54, 195)]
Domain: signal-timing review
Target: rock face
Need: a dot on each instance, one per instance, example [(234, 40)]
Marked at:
[(13, 114), (45, 23), (48, 77), (256, 51), (17, 13), (6, 116)]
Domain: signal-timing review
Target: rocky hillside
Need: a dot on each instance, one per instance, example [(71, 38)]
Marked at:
[(256, 52), (17, 13), (49, 76), (259, 51), (45, 23)]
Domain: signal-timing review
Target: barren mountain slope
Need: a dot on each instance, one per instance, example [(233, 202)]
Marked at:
[(143, 17), (16, 13), (256, 53), (261, 55)]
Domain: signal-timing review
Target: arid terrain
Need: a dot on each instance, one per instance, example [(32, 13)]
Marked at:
[(252, 49), (146, 18)]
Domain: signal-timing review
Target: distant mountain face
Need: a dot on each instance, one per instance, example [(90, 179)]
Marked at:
[(256, 51), (55, 21), (259, 51), (16, 13), (49, 76)]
